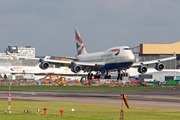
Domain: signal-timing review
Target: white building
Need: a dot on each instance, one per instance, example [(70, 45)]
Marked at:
[(27, 51), (162, 76)]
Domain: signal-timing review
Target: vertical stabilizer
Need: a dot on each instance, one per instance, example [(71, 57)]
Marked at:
[(79, 44), (44, 59), (47, 57)]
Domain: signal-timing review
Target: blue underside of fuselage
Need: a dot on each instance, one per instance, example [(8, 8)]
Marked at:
[(113, 66)]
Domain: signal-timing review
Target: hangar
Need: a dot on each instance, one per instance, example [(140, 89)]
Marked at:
[(155, 51)]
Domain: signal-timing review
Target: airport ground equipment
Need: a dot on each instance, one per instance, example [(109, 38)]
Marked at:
[(61, 81), (153, 82), (115, 83), (58, 80), (108, 82), (93, 80), (46, 82), (138, 83), (78, 81), (52, 76), (173, 82)]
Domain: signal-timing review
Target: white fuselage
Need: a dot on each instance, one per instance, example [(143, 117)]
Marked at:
[(34, 70), (115, 58), (109, 56)]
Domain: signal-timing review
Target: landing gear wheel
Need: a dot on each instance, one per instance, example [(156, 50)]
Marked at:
[(90, 75), (106, 76), (99, 76), (109, 76), (95, 77)]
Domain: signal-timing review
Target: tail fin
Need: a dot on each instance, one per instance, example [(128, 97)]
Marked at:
[(44, 59), (79, 44), (47, 57)]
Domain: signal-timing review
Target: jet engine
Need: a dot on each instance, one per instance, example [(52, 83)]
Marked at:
[(159, 66), (44, 65), (76, 69), (142, 69)]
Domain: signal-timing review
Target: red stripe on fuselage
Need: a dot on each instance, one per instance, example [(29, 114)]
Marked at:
[(16, 68), (115, 50)]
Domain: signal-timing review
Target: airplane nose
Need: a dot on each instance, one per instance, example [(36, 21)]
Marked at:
[(131, 58)]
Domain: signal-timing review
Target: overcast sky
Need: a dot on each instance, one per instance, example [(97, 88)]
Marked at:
[(48, 25)]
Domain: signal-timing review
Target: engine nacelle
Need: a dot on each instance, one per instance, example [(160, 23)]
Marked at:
[(44, 65), (142, 69), (76, 69), (159, 66)]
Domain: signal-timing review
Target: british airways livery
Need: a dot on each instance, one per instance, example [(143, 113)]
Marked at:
[(114, 59)]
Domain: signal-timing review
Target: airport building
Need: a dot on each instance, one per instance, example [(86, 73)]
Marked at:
[(162, 76), (155, 51), (27, 51)]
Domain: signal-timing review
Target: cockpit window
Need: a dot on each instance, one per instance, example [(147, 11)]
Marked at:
[(126, 49)]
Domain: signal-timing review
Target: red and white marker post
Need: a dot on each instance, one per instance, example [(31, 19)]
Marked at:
[(9, 101)]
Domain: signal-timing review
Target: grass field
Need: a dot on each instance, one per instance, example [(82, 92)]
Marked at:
[(82, 112), (48, 88)]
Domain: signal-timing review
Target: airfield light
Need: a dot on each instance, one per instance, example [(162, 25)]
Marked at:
[(27, 110), (37, 111), (61, 112), (45, 111)]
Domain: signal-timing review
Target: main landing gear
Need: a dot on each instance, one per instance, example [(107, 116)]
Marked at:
[(97, 76), (107, 76), (119, 75), (90, 75)]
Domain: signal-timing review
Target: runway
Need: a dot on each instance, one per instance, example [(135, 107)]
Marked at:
[(165, 100)]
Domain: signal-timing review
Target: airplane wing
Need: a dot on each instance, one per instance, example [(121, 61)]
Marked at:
[(90, 64), (154, 61), (85, 66), (72, 63), (70, 58), (58, 61)]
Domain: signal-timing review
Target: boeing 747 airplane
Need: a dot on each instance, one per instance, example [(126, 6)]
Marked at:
[(114, 59)]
